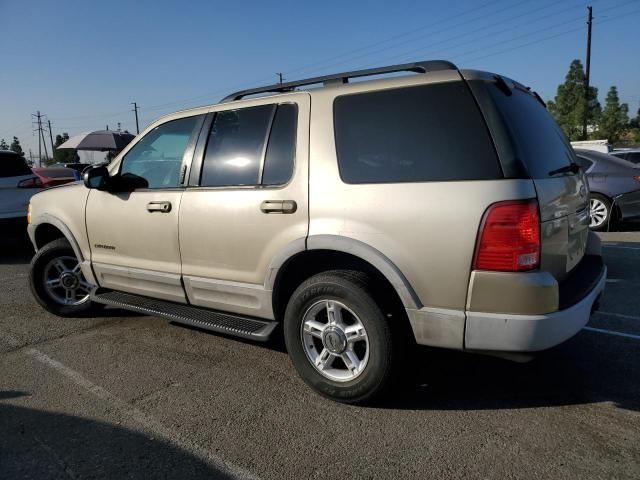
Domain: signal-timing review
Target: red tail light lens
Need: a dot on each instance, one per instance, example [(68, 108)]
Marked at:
[(34, 182), (509, 237), (636, 178)]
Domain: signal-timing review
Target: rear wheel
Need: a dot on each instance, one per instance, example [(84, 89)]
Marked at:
[(338, 338), (57, 283), (600, 211)]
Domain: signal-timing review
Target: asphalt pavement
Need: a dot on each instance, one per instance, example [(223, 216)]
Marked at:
[(128, 396)]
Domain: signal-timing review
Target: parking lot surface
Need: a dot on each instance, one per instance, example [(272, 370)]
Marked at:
[(139, 397)]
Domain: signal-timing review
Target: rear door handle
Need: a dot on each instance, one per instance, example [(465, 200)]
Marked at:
[(278, 206), (163, 207)]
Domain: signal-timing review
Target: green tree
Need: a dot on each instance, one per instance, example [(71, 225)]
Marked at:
[(16, 147), (64, 155), (3, 145), (568, 106), (615, 117)]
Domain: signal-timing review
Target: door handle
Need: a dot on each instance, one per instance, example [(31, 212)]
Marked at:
[(163, 207), (278, 206)]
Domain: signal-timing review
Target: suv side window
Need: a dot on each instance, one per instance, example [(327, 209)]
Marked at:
[(633, 157), (158, 156), (413, 134), (236, 155), (13, 166)]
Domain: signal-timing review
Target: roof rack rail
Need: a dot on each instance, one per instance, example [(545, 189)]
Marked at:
[(417, 67)]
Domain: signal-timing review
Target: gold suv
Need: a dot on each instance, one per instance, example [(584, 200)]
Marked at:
[(442, 207)]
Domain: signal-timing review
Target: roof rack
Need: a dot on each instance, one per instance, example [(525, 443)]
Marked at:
[(337, 78)]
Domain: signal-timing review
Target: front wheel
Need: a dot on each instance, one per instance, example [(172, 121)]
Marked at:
[(600, 212), (338, 338), (57, 283)]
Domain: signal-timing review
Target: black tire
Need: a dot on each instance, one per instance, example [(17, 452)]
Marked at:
[(351, 288), (608, 219), (56, 249)]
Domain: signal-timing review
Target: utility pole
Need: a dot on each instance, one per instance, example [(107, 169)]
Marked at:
[(44, 143), (280, 77), (39, 129), (135, 109), (50, 136), (587, 72)]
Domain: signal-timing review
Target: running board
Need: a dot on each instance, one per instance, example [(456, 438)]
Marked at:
[(239, 326)]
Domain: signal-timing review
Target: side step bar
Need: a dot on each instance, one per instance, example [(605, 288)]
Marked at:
[(245, 327)]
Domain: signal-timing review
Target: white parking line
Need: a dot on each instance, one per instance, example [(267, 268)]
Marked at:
[(619, 315), (611, 332), (148, 422), (620, 246)]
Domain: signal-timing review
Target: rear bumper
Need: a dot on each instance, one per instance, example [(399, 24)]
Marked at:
[(530, 333)]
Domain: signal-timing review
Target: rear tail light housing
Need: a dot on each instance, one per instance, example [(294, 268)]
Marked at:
[(34, 182), (636, 178), (509, 237)]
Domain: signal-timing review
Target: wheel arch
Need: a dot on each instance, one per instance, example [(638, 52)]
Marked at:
[(329, 252), (51, 228)]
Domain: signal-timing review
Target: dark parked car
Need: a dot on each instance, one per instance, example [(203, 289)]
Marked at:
[(615, 187), (51, 176), (632, 155)]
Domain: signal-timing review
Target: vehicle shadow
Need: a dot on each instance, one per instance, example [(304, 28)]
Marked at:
[(587, 369), (43, 445)]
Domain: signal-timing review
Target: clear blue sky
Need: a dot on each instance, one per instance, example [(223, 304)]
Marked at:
[(83, 62)]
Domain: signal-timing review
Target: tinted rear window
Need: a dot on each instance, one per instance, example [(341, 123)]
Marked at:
[(633, 157), (415, 134), (538, 140), (13, 166)]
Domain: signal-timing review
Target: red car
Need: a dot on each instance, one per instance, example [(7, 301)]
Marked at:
[(51, 177)]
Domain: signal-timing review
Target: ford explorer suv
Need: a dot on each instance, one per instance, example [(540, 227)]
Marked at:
[(434, 206)]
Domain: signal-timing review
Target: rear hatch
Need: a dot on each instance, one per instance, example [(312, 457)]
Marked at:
[(530, 144)]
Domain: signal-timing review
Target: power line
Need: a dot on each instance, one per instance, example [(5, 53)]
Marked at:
[(626, 15)]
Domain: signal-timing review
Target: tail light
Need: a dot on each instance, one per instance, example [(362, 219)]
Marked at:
[(509, 237), (34, 182), (636, 178)]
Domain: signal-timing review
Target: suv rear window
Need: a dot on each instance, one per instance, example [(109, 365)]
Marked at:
[(13, 166), (538, 140), (413, 134)]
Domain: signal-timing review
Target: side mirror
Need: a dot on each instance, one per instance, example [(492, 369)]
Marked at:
[(96, 177)]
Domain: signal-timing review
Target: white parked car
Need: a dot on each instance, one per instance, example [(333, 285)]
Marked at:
[(17, 185)]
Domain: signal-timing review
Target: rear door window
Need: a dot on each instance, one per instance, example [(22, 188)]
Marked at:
[(414, 134), (13, 166)]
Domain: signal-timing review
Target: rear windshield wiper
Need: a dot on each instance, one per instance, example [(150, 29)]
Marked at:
[(572, 168)]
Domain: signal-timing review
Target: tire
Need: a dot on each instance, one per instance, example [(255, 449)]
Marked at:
[(57, 260), (368, 343), (600, 212)]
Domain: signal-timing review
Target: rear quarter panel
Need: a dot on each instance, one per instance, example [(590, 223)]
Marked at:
[(428, 230)]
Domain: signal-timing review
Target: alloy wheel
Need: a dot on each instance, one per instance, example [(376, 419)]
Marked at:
[(335, 340), (598, 213), (64, 282)]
